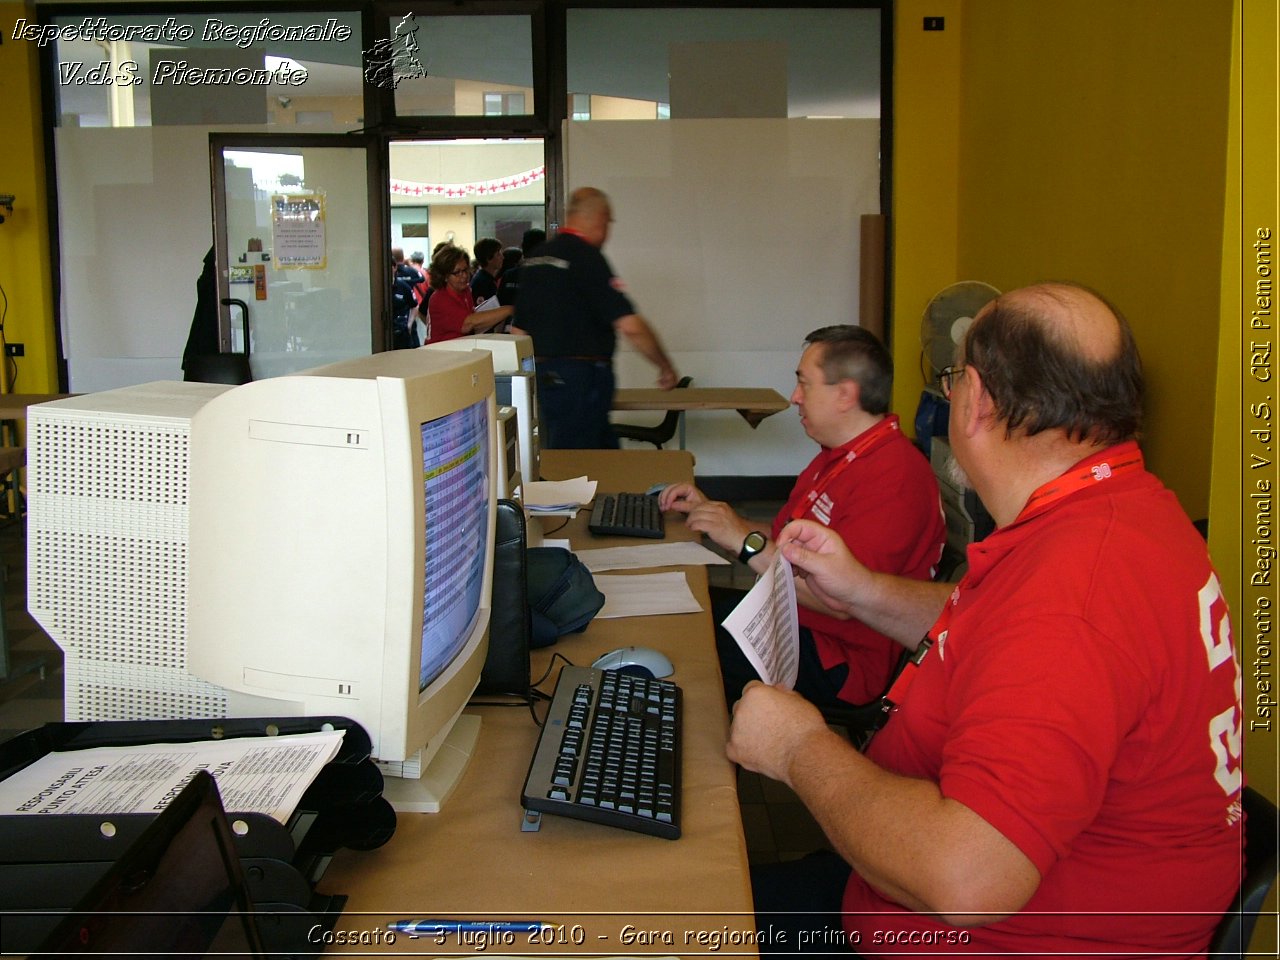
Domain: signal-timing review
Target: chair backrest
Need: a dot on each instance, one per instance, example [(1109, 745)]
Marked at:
[(661, 432), (1231, 938)]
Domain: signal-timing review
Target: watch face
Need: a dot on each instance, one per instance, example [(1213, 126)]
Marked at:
[(753, 544)]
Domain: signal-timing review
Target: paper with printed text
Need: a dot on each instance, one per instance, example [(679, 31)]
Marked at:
[(765, 625)]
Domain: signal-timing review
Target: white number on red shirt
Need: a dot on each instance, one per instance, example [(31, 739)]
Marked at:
[(1225, 734)]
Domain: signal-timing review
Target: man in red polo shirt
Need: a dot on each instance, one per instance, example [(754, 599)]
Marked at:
[(868, 483), (1062, 774)]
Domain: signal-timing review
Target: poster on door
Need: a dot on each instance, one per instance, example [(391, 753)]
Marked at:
[(297, 225)]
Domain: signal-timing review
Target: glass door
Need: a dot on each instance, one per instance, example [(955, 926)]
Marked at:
[(296, 235)]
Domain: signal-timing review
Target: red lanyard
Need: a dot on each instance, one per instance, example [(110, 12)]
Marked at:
[(862, 444), (1122, 459)]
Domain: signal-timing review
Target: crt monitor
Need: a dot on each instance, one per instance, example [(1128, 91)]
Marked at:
[(508, 447), (512, 352), (516, 385), (341, 550)]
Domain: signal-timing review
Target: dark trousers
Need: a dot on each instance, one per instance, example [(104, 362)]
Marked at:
[(574, 398), (798, 902), (404, 334), (815, 683)]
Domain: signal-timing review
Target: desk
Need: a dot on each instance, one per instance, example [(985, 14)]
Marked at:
[(13, 406), (752, 403), (472, 860)]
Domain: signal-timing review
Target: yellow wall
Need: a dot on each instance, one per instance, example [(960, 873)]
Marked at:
[(1090, 147), (24, 235), (1242, 544), (922, 223)]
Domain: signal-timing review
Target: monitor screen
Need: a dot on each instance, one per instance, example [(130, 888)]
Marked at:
[(455, 462)]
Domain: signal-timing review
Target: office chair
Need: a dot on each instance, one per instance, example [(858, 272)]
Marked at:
[(660, 433), (1231, 938), (861, 720)]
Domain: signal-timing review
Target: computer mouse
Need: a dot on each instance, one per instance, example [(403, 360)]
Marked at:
[(641, 661)]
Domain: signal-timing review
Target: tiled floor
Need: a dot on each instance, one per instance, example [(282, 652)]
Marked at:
[(776, 824)]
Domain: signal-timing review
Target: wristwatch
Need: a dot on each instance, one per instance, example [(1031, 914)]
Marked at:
[(753, 544)]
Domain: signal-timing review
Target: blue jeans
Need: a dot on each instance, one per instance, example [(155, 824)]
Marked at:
[(574, 398)]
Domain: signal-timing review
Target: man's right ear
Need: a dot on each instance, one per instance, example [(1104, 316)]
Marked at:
[(977, 408)]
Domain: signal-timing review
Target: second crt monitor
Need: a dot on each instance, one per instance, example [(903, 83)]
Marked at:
[(515, 380)]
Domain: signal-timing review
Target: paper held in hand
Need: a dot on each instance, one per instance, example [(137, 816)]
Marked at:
[(764, 624)]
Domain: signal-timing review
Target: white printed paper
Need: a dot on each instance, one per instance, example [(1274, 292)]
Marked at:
[(765, 625), (545, 496), (645, 595), (254, 775), (679, 553)]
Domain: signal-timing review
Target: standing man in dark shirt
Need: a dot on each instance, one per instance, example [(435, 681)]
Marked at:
[(573, 306)]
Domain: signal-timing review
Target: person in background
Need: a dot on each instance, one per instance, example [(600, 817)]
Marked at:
[(484, 283), (574, 307), (868, 483), (451, 312), (1063, 774), (404, 302), (511, 257), (509, 285), (422, 292)]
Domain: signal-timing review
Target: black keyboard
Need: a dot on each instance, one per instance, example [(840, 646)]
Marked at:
[(610, 752), (626, 515)]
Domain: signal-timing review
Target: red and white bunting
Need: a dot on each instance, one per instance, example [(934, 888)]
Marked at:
[(477, 188)]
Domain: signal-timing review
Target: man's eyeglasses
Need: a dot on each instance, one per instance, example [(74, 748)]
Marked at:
[(947, 377)]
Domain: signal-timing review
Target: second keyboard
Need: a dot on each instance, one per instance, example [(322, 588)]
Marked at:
[(626, 515)]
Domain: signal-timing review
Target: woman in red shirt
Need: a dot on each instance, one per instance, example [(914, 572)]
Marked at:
[(451, 311)]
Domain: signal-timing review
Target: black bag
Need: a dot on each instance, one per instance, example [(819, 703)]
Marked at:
[(562, 594)]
